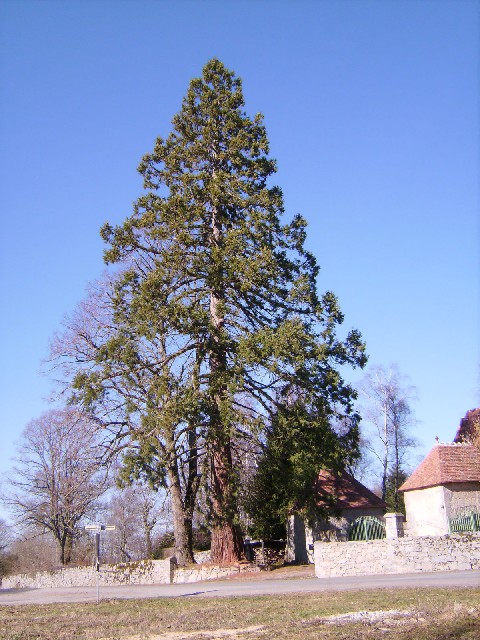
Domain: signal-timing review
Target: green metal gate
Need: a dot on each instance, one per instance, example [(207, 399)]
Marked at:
[(366, 528), (467, 522)]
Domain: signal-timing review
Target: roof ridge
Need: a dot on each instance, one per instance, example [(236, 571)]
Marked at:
[(453, 444)]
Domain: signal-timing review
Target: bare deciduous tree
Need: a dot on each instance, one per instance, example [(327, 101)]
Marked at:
[(5, 535), (5, 540), (58, 478), (388, 415), (33, 552), (145, 397), (135, 511)]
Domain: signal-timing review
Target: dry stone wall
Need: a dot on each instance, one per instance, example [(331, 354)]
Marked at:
[(402, 555), (144, 572), (210, 572)]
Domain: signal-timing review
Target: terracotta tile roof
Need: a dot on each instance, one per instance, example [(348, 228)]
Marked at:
[(446, 463), (347, 492)]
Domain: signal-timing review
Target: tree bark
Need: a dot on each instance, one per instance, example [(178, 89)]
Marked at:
[(147, 528), (65, 547), (182, 522), (227, 544), (385, 454), (61, 552), (397, 467), (68, 550), (148, 544)]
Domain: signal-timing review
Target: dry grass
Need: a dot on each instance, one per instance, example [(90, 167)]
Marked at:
[(419, 614)]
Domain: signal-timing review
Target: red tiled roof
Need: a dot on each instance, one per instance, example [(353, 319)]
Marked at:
[(347, 492), (446, 463)]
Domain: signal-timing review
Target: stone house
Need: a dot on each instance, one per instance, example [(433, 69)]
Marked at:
[(351, 500), (445, 485)]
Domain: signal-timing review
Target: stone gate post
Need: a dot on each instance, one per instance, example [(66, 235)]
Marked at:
[(394, 525)]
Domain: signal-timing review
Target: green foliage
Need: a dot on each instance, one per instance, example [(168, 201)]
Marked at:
[(300, 442), (166, 540), (395, 501), (202, 539)]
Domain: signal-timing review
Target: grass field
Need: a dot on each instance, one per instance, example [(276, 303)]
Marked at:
[(423, 614)]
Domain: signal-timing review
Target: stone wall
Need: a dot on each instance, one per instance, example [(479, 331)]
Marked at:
[(210, 572), (402, 555), (144, 572), (301, 536)]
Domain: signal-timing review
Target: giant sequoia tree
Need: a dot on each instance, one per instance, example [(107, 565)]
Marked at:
[(216, 317)]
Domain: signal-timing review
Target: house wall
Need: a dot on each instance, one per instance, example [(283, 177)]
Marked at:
[(426, 513), (457, 552), (461, 498), (428, 510)]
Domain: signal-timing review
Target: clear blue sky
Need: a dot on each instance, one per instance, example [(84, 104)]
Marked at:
[(372, 113)]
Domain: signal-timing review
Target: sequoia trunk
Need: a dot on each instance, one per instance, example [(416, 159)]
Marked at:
[(226, 536), (227, 543)]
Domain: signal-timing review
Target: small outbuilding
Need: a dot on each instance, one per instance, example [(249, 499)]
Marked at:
[(445, 486), (350, 499)]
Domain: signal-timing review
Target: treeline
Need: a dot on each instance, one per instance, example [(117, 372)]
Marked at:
[(142, 531)]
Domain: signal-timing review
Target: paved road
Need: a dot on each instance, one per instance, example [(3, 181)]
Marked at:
[(240, 587)]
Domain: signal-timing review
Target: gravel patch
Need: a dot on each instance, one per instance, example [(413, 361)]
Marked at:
[(231, 634), (360, 616)]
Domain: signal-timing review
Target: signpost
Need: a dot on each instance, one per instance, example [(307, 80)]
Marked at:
[(97, 529)]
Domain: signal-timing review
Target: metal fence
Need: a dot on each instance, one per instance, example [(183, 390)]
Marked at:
[(366, 528), (467, 522)]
